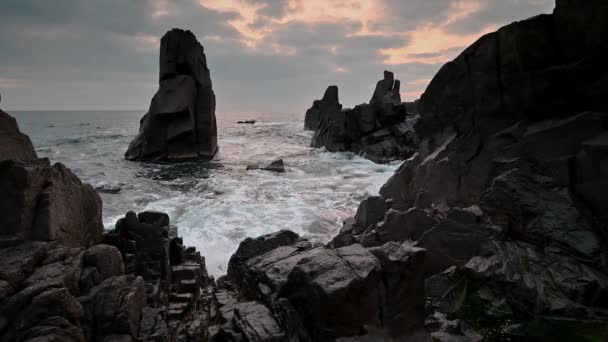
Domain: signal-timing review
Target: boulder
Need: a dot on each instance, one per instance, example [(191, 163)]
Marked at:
[(180, 123), (252, 247), (336, 292), (114, 306), (256, 323), (275, 166), (48, 203), (14, 145)]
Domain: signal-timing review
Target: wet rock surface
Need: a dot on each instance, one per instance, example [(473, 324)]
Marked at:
[(180, 123), (274, 166), (379, 130), (14, 144), (505, 188)]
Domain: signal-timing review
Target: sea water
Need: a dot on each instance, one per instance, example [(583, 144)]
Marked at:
[(218, 203)]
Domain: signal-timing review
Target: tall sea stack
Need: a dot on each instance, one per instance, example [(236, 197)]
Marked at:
[(180, 123)]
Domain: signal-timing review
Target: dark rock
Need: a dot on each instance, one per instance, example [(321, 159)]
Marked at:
[(48, 203), (106, 259), (387, 90), (275, 166), (544, 282), (371, 211), (250, 122), (320, 109), (108, 189), (444, 330), (14, 145), (256, 323), (251, 247), (454, 241), (336, 292), (539, 214), (152, 326), (115, 306), (180, 123), (402, 264), (146, 236), (377, 131)]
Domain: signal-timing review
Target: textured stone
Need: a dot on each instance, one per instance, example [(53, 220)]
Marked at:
[(14, 145), (48, 203), (180, 123)]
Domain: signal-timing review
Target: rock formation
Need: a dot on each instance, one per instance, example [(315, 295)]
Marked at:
[(14, 144), (321, 108), (59, 282), (379, 131), (180, 123), (507, 192)]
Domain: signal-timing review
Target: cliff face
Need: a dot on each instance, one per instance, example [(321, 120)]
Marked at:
[(508, 185), (180, 123), (14, 144), (60, 282)]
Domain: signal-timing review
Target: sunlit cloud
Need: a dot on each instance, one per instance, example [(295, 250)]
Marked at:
[(430, 45)]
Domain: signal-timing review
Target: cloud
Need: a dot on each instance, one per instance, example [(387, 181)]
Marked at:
[(264, 55)]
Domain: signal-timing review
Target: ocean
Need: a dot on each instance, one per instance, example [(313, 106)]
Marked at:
[(215, 204)]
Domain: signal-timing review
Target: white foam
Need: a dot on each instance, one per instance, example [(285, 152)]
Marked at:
[(318, 191)]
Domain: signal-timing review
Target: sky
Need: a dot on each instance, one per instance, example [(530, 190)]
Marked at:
[(273, 56)]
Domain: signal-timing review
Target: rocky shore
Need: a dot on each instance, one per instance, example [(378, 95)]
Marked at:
[(495, 227), (380, 131)]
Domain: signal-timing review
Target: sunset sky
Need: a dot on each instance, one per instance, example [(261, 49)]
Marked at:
[(264, 55)]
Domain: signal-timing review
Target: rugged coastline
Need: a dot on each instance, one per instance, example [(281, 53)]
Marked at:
[(494, 229)]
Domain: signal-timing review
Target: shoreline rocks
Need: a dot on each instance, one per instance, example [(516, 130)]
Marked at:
[(503, 192), (275, 166), (378, 131), (180, 123)]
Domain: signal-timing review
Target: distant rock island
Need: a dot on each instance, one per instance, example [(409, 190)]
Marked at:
[(379, 130), (180, 123)]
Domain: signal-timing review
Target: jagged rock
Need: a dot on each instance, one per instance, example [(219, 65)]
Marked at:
[(147, 237), (14, 144), (320, 109), (371, 211), (403, 311), (336, 292), (152, 326), (180, 123), (377, 131), (48, 203), (387, 90), (275, 166), (256, 323), (398, 226), (265, 274), (106, 259), (454, 241), (545, 282), (539, 214), (252, 247), (62, 267), (115, 306)]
